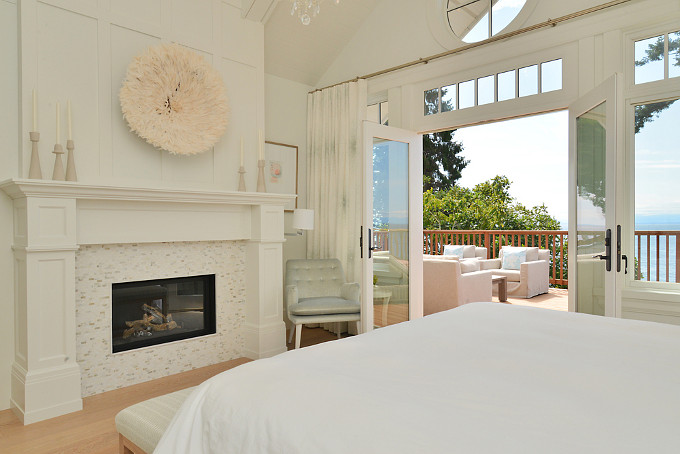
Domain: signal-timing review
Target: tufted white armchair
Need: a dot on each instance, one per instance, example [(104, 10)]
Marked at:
[(316, 292)]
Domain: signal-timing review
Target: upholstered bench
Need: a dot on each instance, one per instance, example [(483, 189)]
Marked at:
[(141, 426)]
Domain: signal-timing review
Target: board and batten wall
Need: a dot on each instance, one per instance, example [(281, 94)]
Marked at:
[(79, 50), (286, 120), (9, 164)]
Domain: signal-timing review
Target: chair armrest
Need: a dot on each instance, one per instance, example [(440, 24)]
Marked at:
[(474, 287), (490, 264), (291, 296), (350, 291), (536, 276)]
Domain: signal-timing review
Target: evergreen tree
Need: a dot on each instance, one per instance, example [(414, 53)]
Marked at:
[(442, 162)]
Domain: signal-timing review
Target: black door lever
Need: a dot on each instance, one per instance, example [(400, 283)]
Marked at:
[(607, 256)]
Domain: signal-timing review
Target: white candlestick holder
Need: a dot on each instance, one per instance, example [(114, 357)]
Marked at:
[(241, 179), (70, 162), (34, 170), (58, 173), (260, 176)]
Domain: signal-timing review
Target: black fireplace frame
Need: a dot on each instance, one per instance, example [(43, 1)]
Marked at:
[(209, 312)]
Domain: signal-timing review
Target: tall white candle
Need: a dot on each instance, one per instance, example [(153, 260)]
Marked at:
[(35, 111), (260, 143), (68, 108), (241, 151), (57, 123)]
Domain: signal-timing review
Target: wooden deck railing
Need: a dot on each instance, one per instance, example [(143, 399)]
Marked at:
[(393, 240), (553, 240), (657, 255), (657, 252)]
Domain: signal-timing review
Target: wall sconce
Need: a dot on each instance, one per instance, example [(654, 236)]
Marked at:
[(302, 220)]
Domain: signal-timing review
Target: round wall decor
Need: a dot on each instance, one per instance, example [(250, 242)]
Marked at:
[(172, 98)]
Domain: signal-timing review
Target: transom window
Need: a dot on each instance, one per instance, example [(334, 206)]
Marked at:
[(477, 20), (657, 58), (529, 80)]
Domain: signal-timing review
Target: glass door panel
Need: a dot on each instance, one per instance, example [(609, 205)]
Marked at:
[(657, 209), (594, 251), (390, 228), (392, 232), (591, 220)]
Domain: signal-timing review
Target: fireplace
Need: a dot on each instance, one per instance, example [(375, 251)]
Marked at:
[(156, 311)]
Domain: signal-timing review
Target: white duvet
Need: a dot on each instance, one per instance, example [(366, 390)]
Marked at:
[(482, 378)]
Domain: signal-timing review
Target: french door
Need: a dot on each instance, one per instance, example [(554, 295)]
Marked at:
[(595, 237), (392, 231)]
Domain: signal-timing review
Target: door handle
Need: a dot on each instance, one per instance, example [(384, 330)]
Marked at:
[(607, 256), (618, 248), (361, 242), (625, 259), (370, 244)]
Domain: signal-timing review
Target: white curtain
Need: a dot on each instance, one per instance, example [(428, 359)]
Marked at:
[(334, 173)]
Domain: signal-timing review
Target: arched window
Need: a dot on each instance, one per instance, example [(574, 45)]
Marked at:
[(477, 20)]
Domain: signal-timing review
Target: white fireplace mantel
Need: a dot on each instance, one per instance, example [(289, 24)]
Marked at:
[(52, 219)]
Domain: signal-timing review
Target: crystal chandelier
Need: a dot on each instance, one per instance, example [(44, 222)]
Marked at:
[(306, 9)]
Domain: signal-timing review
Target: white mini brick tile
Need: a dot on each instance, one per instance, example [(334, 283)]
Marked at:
[(98, 266)]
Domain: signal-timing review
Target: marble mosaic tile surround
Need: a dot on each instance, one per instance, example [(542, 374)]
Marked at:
[(98, 266)]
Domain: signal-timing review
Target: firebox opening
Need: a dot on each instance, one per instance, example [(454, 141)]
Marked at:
[(162, 310)]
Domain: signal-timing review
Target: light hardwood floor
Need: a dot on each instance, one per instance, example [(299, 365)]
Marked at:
[(92, 430)]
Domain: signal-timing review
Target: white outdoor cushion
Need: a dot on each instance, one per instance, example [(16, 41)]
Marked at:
[(324, 305), (468, 266), (511, 275), (452, 249), (513, 257), (440, 257), (469, 252)]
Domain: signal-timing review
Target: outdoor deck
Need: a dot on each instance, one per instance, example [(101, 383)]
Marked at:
[(555, 299)]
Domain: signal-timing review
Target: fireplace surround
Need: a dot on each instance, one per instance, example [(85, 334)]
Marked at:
[(53, 220)]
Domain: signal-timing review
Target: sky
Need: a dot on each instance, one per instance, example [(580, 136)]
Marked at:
[(531, 151)]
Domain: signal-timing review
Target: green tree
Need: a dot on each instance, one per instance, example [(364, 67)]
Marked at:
[(655, 52), (442, 162), (487, 206)]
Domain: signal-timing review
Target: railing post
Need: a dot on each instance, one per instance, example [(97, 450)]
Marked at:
[(677, 258)]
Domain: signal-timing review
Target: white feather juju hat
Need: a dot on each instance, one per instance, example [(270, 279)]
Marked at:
[(172, 98)]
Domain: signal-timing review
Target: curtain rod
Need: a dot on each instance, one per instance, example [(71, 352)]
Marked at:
[(493, 39)]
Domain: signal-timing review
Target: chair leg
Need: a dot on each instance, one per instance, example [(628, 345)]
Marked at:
[(298, 335), (338, 327), (358, 326), (290, 335)]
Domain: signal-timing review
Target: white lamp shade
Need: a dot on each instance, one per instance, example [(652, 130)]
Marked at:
[(303, 219)]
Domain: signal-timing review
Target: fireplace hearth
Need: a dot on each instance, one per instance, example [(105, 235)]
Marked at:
[(152, 312)]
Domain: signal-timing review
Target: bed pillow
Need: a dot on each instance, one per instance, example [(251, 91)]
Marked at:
[(451, 249), (513, 257)]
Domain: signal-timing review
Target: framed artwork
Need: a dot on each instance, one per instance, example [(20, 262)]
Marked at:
[(280, 170)]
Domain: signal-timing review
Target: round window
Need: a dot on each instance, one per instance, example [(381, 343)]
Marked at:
[(477, 20)]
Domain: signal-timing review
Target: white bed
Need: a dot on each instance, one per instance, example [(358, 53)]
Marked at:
[(482, 378)]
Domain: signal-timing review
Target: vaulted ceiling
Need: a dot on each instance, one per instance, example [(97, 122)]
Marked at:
[(303, 52)]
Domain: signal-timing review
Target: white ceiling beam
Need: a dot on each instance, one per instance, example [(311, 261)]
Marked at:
[(257, 10)]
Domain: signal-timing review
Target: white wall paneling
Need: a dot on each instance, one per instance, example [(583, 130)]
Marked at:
[(79, 50), (9, 167)]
